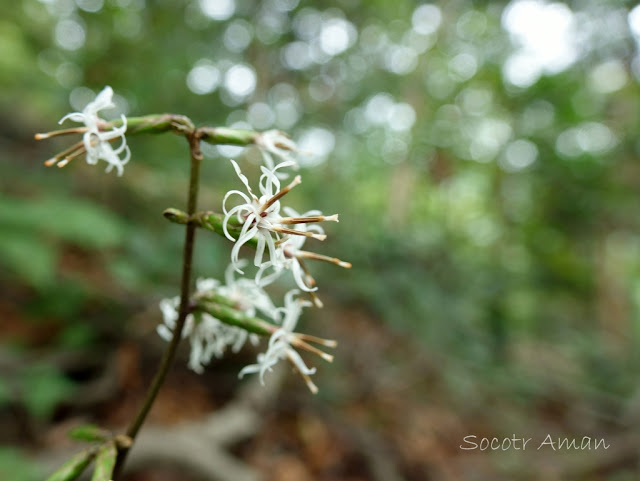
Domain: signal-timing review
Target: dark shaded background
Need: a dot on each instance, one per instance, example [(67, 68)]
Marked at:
[(487, 180)]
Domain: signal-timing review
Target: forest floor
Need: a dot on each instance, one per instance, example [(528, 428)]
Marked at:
[(387, 410)]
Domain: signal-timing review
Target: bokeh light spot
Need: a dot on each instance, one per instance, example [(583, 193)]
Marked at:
[(90, 5), (337, 35), (70, 34), (546, 40), (519, 155), (261, 116), (426, 19), (238, 35), (608, 77), (315, 144), (296, 55), (218, 9), (240, 81), (203, 78), (401, 117)]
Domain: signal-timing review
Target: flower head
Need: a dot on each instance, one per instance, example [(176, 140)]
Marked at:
[(291, 257), (96, 141), (249, 298), (274, 143), (208, 336), (283, 338), (260, 217)]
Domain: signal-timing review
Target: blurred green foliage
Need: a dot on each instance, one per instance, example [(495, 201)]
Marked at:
[(16, 466), (488, 206), (36, 227), (42, 388)]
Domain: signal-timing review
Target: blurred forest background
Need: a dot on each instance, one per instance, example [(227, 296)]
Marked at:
[(483, 157)]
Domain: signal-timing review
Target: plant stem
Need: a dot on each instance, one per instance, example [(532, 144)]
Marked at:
[(185, 291)]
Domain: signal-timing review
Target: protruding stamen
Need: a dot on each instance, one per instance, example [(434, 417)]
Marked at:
[(318, 340), (64, 162), (296, 341), (316, 300), (72, 156), (312, 387), (310, 281), (56, 133), (78, 146), (279, 194), (307, 220), (320, 257), (284, 230)]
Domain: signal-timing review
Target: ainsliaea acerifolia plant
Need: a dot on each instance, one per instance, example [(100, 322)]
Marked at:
[(217, 316)]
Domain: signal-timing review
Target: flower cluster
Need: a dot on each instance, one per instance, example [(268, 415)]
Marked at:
[(278, 234), (283, 338), (283, 235), (283, 232), (274, 143), (97, 136), (209, 336)]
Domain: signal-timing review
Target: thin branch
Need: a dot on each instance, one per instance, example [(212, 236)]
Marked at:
[(185, 291)]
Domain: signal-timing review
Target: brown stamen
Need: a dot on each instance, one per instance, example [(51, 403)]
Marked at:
[(320, 257), (282, 192), (318, 340), (65, 153), (284, 230), (311, 282), (316, 300), (306, 220), (312, 387), (72, 156), (56, 133), (296, 341)]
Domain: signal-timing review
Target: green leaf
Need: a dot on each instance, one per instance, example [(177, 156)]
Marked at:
[(90, 433), (28, 257), (105, 462), (14, 465), (44, 387), (5, 392), (81, 222), (77, 335), (73, 220), (74, 467)]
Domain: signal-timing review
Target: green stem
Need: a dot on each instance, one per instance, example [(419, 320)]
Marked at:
[(207, 220), (159, 123), (225, 135), (230, 316), (155, 124), (185, 291)]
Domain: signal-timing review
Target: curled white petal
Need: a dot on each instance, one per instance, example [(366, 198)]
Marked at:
[(97, 143), (279, 346)]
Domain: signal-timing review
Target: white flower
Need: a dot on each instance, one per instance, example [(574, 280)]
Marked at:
[(260, 216), (248, 296), (281, 341), (169, 308), (207, 335), (274, 143), (287, 256), (291, 256), (97, 143), (204, 285)]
